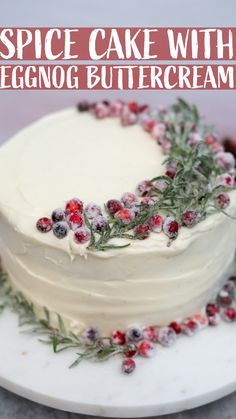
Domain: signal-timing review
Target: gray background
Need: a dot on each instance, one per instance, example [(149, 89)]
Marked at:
[(20, 108)]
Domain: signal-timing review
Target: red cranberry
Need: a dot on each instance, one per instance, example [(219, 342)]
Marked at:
[(82, 235), (118, 337), (113, 205), (176, 327), (44, 225), (190, 327), (74, 205), (171, 227), (170, 172), (142, 231), (212, 309), (222, 200), (101, 110), (143, 188), (125, 215), (128, 118), (214, 320), (75, 220), (146, 348), (224, 298), (151, 333), (156, 223), (229, 314), (128, 366), (190, 217), (129, 199), (116, 108), (133, 107)]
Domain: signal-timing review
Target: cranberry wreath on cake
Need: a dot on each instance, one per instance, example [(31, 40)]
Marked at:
[(117, 220)]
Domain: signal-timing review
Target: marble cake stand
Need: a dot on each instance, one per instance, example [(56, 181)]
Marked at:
[(194, 372)]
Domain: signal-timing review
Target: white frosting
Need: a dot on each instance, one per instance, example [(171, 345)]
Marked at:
[(69, 154)]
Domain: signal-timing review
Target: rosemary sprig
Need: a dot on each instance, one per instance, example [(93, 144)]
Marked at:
[(57, 337)]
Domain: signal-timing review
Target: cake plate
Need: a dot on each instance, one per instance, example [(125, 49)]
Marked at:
[(195, 371)]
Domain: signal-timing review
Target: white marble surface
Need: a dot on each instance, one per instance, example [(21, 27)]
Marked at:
[(193, 372)]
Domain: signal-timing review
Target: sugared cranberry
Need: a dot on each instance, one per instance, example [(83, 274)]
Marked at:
[(229, 286), (143, 108), (83, 106), (101, 110), (74, 205), (116, 108), (161, 184), (133, 107), (222, 200), (212, 309), (194, 138), (151, 333), (229, 314), (131, 351), (114, 205), (224, 298), (129, 199), (60, 229), (146, 348), (90, 335), (148, 124), (170, 172), (99, 224), (176, 327), (143, 188), (171, 227), (128, 118), (158, 130), (190, 327), (58, 215), (214, 320), (225, 160), (134, 333), (166, 336), (125, 215), (142, 231), (44, 225), (75, 220), (118, 337), (190, 218), (201, 320), (156, 223), (226, 179), (92, 210), (82, 235), (128, 366)]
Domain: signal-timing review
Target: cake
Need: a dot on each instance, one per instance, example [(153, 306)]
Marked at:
[(159, 180)]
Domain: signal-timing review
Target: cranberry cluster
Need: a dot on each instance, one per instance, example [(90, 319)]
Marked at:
[(127, 209), (139, 341), (69, 218)]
